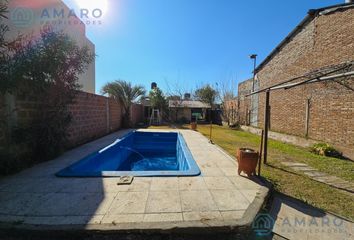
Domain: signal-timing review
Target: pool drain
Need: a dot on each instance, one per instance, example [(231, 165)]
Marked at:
[(125, 180)]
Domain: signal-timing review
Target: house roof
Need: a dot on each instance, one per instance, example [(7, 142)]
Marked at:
[(312, 13), (187, 104)]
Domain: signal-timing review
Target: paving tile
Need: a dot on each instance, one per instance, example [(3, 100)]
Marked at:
[(122, 218), (229, 200), (164, 184), (139, 184), (345, 185), (303, 168), (226, 163), (74, 204), (191, 183), (249, 194), (211, 171), (229, 171), (202, 216), (218, 183), (128, 202), (21, 203), (42, 185), (167, 201), (207, 164), (37, 172), (294, 164), (83, 185), (232, 215), (315, 174), (163, 217), (327, 179), (244, 183), (197, 201)]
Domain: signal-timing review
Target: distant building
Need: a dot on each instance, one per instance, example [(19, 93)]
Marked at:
[(29, 17), (187, 110)]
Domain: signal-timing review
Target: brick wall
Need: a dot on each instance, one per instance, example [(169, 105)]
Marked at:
[(93, 116), (244, 88), (238, 108), (324, 41), (231, 111), (137, 114)]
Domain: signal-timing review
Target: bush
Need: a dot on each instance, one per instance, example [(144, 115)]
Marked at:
[(44, 70), (324, 149), (235, 126)]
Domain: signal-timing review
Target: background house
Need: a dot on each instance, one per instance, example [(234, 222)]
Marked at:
[(186, 110)]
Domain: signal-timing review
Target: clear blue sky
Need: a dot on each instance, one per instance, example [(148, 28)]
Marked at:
[(191, 42)]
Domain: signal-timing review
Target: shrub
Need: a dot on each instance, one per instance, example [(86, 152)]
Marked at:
[(46, 71), (235, 126), (324, 149)]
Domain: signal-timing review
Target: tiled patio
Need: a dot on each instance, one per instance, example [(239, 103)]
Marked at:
[(217, 198)]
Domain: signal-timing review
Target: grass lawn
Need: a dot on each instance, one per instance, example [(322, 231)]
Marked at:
[(288, 181)]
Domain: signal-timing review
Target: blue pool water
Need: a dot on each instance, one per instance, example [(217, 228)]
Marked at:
[(138, 154)]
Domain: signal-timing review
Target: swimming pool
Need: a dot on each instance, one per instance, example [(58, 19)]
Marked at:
[(138, 154)]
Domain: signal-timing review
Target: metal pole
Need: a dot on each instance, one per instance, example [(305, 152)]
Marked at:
[(211, 127), (266, 126), (260, 155), (307, 117)]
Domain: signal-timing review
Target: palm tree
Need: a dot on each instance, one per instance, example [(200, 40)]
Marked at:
[(126, 94)]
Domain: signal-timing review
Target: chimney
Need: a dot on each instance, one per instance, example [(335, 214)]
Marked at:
[(187, 96), (153, 85)]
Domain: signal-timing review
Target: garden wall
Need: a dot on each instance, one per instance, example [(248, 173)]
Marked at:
[(137, 114), (324, 41), (93, 116)]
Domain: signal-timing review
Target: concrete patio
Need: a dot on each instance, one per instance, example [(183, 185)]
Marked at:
[(218, 199)]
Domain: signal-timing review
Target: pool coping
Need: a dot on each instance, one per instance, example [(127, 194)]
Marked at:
[(243, 224)]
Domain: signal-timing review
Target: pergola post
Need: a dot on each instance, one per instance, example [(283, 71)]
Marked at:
[(266, 126)]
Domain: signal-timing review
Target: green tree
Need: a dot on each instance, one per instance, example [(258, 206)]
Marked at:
[(157, 99), (126, 94), (206, 94)]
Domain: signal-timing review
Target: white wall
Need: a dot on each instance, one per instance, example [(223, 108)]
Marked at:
[(33, 23)]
